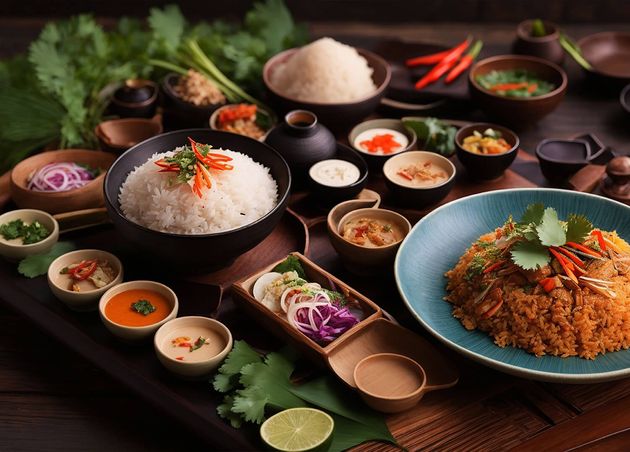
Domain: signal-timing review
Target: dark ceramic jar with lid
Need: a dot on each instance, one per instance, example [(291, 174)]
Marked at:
[(546, 47), (136, 98), (302, 141)]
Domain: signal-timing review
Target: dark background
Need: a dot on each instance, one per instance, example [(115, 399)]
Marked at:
[(377, 11)]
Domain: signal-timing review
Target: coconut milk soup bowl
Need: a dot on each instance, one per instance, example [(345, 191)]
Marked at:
[(195, 252)]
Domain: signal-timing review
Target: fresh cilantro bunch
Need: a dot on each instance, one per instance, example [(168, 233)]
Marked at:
[(255, 384), (436, 135), (539, 229)]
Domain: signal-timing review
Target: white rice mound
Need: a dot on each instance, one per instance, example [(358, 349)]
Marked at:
[(237, 197), (324, 71)]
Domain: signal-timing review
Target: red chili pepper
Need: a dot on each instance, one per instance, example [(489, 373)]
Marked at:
[(425, 60), (566, 265), (495, 266), (443, 66), (490, 312), (583, 248), (579, 262), (179, 358), (405, 174), (600, 238), (85, 271), (548, 284), (465, 62)]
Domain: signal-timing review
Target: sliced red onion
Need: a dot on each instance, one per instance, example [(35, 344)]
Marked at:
[(58, 177)]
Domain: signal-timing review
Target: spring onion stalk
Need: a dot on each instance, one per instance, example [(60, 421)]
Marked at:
[(572, 49), (168, 66)]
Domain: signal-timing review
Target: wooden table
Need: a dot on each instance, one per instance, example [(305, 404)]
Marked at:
[(52, 400)]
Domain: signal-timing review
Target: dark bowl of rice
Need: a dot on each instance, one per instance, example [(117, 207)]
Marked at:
[(172, 226)]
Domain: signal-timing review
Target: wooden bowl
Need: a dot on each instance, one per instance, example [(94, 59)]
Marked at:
[(337, 116), (179, 113), (518, 111), (389, 382), (271, 118), (609, 54), (86, 197), (118, 135), (546, 47)]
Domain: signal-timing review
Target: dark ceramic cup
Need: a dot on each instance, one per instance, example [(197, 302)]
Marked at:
[(546, 47), (197, 252), (136, 98), (302, 141), (560, 159)]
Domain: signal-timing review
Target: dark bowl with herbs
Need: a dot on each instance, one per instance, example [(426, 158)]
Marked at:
[(517, 89), (196, 253), (189, 102), (486, 150)]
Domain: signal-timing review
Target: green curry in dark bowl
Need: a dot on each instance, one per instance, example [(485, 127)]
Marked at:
[(517, 89)]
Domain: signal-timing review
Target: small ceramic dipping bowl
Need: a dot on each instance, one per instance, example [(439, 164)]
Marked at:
[(265, 120), (86, 197), (389, 382), (118, 135), (136, 98), (518, 111), (362, 259), (366, 131), (180, 113), (138, 333), (14, 250), (339, 178), (486, 166), (560, 159), (406, 193), (198, 363), (60, 283)]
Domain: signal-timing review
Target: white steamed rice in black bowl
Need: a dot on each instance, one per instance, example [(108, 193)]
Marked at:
[(156, 200)]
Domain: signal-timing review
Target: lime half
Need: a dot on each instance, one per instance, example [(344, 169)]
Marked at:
[(297, 429)]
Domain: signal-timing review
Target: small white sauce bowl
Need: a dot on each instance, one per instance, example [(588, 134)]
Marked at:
[(17, 251), (81, 301), (189, 369), (137, 333)]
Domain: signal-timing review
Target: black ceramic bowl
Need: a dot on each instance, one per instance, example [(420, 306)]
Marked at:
[(336, 116), (333, 195), (201, 251), (560, 159), (179, 113), (413, 196), (486, 167)]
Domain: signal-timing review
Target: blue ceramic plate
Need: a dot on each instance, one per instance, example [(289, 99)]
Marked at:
[(436, 243)]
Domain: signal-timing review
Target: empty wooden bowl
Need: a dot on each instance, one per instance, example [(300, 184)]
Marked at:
[(118, 135), (609, 55), (389, 382), (86, 197)]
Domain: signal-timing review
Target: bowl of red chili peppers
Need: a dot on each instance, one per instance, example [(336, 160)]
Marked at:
[(520, 103)]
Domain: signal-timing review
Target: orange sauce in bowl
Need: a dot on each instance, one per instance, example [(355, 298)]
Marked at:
[(120, 311)]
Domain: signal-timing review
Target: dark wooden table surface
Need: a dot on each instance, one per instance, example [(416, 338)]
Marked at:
[(50, 399)]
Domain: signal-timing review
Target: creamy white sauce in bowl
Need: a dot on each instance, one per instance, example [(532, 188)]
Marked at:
[(335, 173)]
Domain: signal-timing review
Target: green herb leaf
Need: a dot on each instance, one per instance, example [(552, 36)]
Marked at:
[(200, 342), (435, 135), (38, 264), (291, 263), (475, 267), (530, 255), (578, 228), (225, 411), (551, 231), (533, 214), (227, 377), (12, 230), (143, 307), (167, 26)]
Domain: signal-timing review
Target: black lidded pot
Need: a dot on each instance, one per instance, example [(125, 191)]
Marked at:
[(136, 98), (302, 141)]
